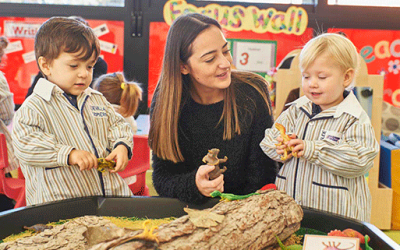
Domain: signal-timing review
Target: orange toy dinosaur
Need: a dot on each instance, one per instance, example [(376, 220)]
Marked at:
[(285, 138)]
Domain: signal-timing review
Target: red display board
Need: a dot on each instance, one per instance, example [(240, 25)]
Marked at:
[(381, 51), (158, 34), (19, 65)]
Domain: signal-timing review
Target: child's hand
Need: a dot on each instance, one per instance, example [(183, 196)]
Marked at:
[(298, 147), (120, 156), (280, 146), (82, 158), (283, 146)]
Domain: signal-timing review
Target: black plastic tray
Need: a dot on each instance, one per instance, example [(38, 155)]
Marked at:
[(12, 221)]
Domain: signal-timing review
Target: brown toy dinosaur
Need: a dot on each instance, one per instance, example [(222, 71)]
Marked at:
[(38, 227), (212, 159), (285, 138)]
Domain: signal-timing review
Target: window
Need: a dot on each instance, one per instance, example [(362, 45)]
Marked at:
[(109, 3), (387, 3)]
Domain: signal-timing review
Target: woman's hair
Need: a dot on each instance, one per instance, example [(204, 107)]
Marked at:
[(119, 91), (341, 49), (3, 45), (173, 88)]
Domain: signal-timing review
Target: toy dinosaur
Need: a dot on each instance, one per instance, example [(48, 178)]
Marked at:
[(348, 233), (147, 233), (231, 197), (366, 239), (291, 247), (285, 138), (38, 227), (212, 159), (104, 165)]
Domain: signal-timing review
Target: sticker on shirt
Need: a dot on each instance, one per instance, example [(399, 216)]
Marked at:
[(330, 136), (98, 111)]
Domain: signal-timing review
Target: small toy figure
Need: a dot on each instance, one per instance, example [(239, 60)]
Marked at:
[(147, 233), (212, 159), (104, 165), (231, 197), (285, 138), (38, 227)]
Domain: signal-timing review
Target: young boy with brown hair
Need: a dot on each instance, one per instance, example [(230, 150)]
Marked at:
[(64, 126)]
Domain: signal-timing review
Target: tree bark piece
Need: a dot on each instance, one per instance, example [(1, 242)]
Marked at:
[(251, 223)]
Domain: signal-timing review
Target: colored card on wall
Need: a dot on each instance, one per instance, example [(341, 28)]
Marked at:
[(19, 63), (252, 55)]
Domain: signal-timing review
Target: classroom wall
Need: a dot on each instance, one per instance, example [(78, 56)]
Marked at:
[(136, 48)]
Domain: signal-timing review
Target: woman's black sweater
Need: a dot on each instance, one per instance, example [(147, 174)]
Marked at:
[(248, 168)]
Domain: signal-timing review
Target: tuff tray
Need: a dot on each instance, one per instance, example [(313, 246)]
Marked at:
[(12, 221)]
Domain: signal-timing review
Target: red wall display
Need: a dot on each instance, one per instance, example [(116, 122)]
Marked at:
[(381, 51), (158, 35), (19, 65)]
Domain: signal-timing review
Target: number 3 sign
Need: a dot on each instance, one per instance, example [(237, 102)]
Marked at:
[(253, 55)]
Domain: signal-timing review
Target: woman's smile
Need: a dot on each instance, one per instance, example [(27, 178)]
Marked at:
[(223, 75)]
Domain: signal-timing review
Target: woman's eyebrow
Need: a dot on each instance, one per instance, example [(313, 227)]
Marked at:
[(213, 51)]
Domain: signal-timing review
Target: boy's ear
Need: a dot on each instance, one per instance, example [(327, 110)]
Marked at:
[(348, 77), (44, 66), (184, 68)]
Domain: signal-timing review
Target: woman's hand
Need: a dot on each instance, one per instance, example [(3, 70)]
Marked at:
[(203, 183)]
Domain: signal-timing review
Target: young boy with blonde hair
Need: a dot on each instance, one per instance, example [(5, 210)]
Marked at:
[(64, 126), (331, 135)]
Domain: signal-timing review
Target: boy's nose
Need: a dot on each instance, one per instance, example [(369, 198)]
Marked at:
[(83, 73), (312, 83)]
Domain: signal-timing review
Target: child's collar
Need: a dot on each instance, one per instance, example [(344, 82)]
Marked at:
[(349, 105), (44, 88)]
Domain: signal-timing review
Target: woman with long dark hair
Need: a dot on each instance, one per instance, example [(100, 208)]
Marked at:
[(201, 103)]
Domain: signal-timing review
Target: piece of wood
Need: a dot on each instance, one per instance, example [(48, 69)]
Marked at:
[(251, 223)]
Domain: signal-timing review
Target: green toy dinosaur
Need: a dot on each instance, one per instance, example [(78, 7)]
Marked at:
[(231, 197)]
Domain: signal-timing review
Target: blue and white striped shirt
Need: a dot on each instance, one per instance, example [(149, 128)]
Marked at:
[(46, 129), (339, 149)]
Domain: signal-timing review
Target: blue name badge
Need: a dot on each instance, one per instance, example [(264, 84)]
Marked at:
[(98, 111), (331, 136)]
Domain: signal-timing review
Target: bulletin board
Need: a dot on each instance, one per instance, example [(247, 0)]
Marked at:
[(380, 49), (19, 65)]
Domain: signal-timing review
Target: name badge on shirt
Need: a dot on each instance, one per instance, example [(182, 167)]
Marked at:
[(98, 111), (330, 136)]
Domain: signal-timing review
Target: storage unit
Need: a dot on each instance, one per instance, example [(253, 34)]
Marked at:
[(389, 174)]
